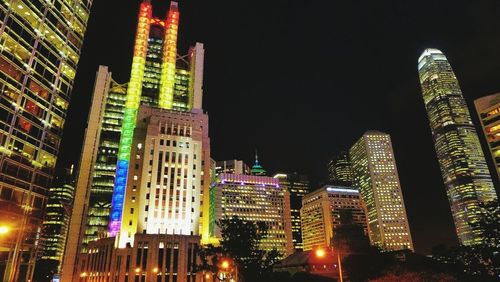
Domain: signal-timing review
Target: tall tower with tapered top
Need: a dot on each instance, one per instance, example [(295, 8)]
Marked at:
[(465, 173)]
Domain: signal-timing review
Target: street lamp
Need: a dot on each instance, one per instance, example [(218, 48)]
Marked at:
[(320, 253), (225, 264), (4, 229)]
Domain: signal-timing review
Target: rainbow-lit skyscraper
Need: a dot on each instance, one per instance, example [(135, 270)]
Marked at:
[(167, 88), (465, 173)]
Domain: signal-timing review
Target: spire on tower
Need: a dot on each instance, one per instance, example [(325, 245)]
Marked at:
[(257, 169)]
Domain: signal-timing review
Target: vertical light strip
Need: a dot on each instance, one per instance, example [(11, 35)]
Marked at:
[(129, 117), (167, 79)]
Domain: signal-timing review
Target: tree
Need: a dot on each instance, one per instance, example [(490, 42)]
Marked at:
[(479, 261), (241, 242), (489, 223)]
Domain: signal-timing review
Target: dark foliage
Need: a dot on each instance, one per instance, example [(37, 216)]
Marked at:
[(241, 242), (479, 262)]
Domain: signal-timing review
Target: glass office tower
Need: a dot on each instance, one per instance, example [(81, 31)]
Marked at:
[(40, 43), (465, 173), (339, 169), (376, 176)]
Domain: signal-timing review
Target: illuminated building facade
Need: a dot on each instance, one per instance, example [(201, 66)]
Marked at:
[(232, 167), (297, 186), (40, 43), (488, 109), (107, 147), (376, 176), (257, 199), (94, 184), (155, 257), (339, 170), (321, 211), (465, 173), (171, 162), (57, 215), (178, 86), (109, 96)]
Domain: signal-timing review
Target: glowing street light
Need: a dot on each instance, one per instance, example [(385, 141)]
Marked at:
[(208, 276), (4, 230), (225, 264), (320, 253)]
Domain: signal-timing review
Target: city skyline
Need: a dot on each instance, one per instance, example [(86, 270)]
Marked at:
[(275, 158)]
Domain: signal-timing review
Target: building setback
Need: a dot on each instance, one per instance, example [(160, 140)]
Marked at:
[(322, 210), (465, 173), (488, 110), (298, 186), (40, 43), (257, 199), (376, 176)]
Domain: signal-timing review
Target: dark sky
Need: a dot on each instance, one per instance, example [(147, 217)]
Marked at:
[(301, 80)]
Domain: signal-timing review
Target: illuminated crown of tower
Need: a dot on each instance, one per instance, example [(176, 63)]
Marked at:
[(257, 169)]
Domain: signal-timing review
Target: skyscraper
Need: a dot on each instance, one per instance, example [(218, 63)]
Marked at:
[(321, 211), (254, 198), (56, 222), (160, 78), (94, 184), (339, 170), (488, 110), (40, 43), (297, 186), (463, 166), (376, 176)]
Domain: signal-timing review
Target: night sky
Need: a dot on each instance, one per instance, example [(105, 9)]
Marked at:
[(301, 80)]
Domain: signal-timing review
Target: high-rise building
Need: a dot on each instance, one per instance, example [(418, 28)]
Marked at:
[(322, 210), (297, 186), (257, 199), (57, 215), (40, 43), (488, 110), (465, 173), (171, 152), (376, 176), (94, 184), (160, 78), (232, 167), (339, 170)]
